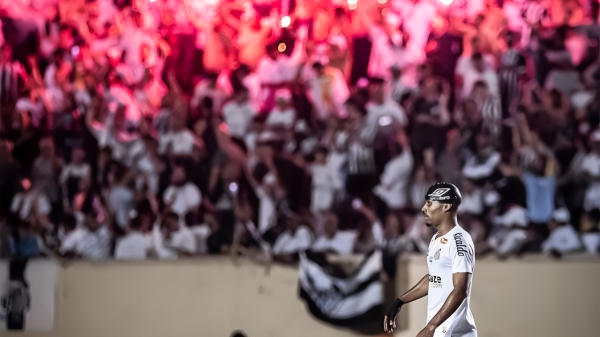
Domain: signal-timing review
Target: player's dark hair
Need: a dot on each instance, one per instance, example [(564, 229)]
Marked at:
[(238, 333)]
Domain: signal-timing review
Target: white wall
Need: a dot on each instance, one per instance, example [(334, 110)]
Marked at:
[(212, 297)]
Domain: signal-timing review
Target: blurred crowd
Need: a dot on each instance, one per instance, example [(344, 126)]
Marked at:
[(135, 129)]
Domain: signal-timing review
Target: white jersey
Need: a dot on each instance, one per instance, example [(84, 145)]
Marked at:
[(447, 255)]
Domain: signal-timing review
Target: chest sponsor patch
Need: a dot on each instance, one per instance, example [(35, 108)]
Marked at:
[(444, 240), (436, 281)]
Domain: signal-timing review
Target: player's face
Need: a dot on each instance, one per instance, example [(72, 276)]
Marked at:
[(433, 211)]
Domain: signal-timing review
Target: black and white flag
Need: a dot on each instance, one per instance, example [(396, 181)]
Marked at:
[(354, 301)]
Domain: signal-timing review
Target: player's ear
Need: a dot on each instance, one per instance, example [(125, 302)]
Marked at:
[(446, 207)]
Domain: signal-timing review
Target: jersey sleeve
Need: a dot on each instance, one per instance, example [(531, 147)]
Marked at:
[(462, 254)]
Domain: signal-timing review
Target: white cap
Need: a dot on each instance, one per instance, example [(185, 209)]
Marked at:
[(561, 215)]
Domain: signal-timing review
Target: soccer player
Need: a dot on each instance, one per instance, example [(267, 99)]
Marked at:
[(451, 259)]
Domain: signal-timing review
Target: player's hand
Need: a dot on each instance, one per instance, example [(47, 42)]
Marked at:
[(389, 321), (389, 324), (428, 331)]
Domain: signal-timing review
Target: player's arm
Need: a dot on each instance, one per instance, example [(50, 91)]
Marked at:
[(456, 297), (418, 291)]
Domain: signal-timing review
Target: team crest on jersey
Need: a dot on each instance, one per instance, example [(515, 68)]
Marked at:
[(439, 192), (444, 240), (437, 254)]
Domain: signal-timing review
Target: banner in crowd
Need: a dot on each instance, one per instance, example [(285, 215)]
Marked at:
[(354, 301)]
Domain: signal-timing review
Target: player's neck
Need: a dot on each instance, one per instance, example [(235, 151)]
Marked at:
[(446, 226)]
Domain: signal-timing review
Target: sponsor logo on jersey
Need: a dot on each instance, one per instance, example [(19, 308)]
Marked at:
[(437, 254), (461, 247), (436, 281), (444, 240)]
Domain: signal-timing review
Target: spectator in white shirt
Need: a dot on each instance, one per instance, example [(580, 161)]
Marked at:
[(135, 245), (382, 111), (179, 141), (396, 240), (85, 198), (395, 88), (483, 163), (121, 94), (479, 72), (173, 239), (393, 185), (72, 172), (328, 91), (591, 239), (408, 56), (112, 134), (120, 196), (276, 68), (94, 243), (563, 237), (283, 114), (324, 182), (210, 225), (69, 235), (242, 77), (590, 167), (150, 166), (32, 204), (369, 230), (471, 210), (509, 233), (77, 168), (334, 240), (238, 114), (465, 64), (208, 88), (181, 197), (115, 59), (295, 239)]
